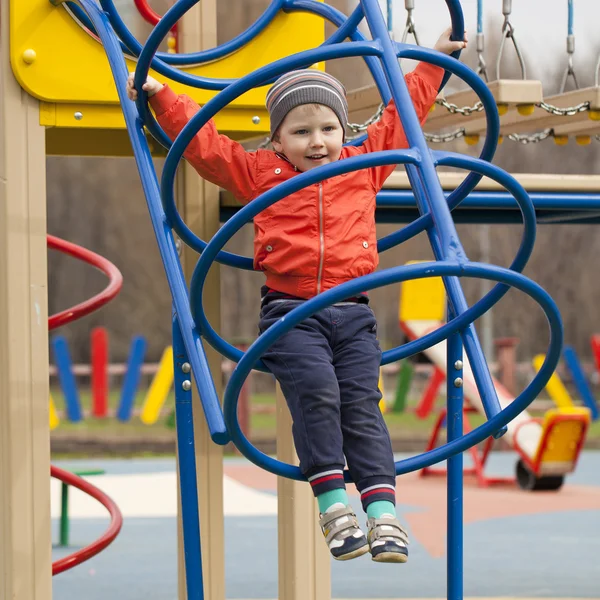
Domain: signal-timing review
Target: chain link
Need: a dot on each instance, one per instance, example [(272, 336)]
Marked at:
[(564, 112), (534, 138), (360, 127), (444, 138), (460, 110), (478, 107)]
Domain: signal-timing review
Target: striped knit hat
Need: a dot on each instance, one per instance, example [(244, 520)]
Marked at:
[(308, 86)]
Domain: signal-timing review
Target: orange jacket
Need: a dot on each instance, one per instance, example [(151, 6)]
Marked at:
[(322, 235)]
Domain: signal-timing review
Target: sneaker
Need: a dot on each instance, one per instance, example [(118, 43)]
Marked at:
[(387, 540), (343, 534)]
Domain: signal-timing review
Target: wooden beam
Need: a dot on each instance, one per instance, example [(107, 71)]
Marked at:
[(542, 119), (25, 525), (513, 97), (398, 180), (199, 207), (304, 560)]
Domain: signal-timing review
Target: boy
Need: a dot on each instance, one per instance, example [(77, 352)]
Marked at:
[(311, 241)]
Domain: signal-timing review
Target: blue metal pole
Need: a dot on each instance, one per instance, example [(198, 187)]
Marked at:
[(164, 236), (430, 198), (454, 428), (187, 467)]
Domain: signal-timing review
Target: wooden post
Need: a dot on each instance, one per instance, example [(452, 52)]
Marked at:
[(506, 352), (199, 207), (304, 560), (25, 542)]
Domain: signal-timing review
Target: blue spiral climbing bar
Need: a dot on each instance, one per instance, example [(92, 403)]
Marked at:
[(189, 319), (443, 236)]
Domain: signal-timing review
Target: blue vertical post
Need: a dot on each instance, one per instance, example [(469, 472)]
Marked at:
[(132, 378), (187, 467), (64, 367), (454, 430), (585, 393)]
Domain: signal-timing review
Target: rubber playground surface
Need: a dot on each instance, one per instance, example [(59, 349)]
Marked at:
[(517, 544)]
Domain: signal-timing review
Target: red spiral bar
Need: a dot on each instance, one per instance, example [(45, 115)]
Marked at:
[(115, 282), (85, 308), (149, 15), (116, 521)]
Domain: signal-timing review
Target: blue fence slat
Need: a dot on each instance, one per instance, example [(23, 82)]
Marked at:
[(132, 378)]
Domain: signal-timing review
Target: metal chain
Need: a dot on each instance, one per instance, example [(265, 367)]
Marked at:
[(564, 112), (444, 138), (460, 110), (360, 127), (533, 138)]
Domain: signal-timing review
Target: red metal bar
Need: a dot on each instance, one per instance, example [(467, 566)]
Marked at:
[(150, 16), (596, 350), (116, 521), (478, 456), (99, 343), (427, 402), (85, 308), (62, 318)]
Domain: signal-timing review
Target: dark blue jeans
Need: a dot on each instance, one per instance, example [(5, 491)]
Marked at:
[(328, 369)]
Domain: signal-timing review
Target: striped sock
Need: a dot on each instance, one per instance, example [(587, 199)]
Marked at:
[(325, 481), (376, 510), (380, 492), (328, 499)]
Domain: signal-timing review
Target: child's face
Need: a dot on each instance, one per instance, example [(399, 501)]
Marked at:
[(310, 135)]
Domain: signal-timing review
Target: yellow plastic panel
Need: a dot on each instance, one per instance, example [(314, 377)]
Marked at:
[(565, 429), (57, 61), (382, 405), (555, 387), (422, 299)]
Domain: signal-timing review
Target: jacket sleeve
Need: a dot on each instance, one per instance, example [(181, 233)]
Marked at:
[(216, 157), (387, 133)]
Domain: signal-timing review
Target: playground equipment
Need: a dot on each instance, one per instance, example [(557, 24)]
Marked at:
[(100, 371), (44, 38), (526, 115), (548, 449), (75, 479), (559, 393)]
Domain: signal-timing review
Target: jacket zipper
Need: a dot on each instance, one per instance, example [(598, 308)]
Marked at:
[(321, 240)]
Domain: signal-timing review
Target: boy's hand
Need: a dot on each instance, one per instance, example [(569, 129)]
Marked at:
[(445, 45), (151, 86)]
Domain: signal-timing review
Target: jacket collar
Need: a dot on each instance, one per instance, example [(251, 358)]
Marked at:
[(284, 157)]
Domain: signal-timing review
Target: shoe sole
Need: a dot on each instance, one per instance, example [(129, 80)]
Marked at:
[(390, 557), (354, 554)]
